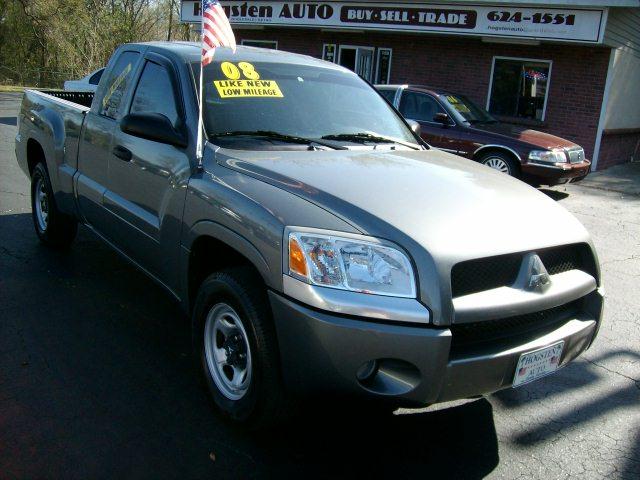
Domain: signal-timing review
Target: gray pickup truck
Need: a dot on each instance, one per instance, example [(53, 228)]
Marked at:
[(319, 248)]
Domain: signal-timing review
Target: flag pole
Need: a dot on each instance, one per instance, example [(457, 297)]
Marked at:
[(200, 141), (199, 144)]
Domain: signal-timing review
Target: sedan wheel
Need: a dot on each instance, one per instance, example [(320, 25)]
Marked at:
[(497, 163), (501, 162)]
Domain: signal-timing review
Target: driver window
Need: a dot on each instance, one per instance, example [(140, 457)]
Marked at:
[(419, 106), (154, 93)]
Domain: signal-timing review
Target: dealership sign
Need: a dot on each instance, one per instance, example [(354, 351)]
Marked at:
[(573, 25)]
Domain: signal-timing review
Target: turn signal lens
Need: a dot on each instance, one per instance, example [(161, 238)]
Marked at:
[(297, 262)]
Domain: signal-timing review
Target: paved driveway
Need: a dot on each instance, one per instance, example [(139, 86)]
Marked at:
[(96, 378)]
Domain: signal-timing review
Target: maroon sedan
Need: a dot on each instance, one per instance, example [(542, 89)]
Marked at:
[(453, 123)]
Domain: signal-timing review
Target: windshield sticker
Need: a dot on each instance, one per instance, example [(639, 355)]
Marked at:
[(248, 88), (232, 72), (457, 104), (462, 108)]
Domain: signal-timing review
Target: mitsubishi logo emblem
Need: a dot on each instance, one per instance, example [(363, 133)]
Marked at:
[(533, 274)]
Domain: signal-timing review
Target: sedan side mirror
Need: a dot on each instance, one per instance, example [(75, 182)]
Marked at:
[(415, 126), (442, 118), (153, 126)]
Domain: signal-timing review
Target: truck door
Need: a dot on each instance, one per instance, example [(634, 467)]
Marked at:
[(147, 179), (95, 145)]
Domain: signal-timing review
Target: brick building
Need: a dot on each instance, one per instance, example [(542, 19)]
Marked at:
[(571, 68)]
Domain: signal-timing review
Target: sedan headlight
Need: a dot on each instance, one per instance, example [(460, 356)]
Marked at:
[(548, 156), (353, 264)]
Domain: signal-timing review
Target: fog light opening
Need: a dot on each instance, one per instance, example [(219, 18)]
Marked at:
[(388, 376), (367, 371)]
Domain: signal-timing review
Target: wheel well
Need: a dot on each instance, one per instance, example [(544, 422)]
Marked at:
[(504, 151), (210, 255), (35, 155)]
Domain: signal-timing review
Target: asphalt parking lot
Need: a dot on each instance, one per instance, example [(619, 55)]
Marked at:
[(96, 379)]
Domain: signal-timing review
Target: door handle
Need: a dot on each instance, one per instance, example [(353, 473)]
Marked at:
[(122, 153)]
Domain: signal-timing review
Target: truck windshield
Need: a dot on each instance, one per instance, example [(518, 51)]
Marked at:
[(286, 104), (467, 110)]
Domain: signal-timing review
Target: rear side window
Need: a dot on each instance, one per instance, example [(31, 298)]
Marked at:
[(419, 106), (116, 86), (95, 78), (154, 93)]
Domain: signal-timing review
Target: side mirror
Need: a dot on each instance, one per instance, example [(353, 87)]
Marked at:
[(153, 126), (442, 118), (415, 126)]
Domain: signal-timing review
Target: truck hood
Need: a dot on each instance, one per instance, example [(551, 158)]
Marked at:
[(454, 208), (533, 138)]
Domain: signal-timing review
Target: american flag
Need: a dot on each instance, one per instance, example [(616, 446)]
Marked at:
[(216, 30)]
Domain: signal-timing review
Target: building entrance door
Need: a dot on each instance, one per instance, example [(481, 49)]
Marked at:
[(358, 59)]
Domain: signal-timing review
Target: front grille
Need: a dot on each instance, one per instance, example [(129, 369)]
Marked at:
[(482, 274), (576, 156), (515, 330)]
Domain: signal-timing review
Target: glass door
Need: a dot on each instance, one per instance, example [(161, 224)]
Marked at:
[(365, 63), (358, 59)]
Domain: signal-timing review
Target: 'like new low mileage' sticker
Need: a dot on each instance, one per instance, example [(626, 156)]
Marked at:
[(248, 88)]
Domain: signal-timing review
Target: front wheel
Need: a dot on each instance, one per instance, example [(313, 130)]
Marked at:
[(501, 162), (54, 228), (236, 344)]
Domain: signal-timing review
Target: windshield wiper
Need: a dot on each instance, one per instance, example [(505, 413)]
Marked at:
[(368, 137), (277, 136)]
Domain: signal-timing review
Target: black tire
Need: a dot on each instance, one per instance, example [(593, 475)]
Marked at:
[(54, 228), (495, 158), (265, 402)]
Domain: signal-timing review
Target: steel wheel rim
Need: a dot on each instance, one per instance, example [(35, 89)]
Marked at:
[(497, 164), (42, 205), (227, 351)]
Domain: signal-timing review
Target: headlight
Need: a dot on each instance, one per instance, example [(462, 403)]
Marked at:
[(345, 263), (548, 156)]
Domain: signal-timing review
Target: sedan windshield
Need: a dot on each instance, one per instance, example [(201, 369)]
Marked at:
[(272, 105), (467, 110)]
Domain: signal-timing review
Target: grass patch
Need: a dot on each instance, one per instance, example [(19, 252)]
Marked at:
[(12, 88)]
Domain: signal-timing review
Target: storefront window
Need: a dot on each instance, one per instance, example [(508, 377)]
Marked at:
[(519, 88), (261, 44)]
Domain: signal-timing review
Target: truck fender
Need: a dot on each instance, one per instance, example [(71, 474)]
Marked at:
[(49, 132), (240, 244)]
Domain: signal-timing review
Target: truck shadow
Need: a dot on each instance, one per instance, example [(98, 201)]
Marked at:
[(577, 409), (459, 442), (97, 376)]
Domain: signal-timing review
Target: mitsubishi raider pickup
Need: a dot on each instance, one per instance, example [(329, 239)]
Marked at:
[(319, 247)]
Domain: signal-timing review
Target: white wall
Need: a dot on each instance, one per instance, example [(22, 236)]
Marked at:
[(623, 107)]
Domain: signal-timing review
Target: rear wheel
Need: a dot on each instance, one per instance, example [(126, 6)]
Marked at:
[(501, 162), (237, 348), (54, 228)]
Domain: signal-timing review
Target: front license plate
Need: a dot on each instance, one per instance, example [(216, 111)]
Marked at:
[(536, 364)]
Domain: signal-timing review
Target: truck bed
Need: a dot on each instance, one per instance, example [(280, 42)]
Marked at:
[(54, 120), (80, 98)]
